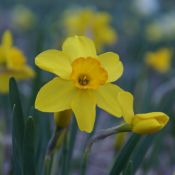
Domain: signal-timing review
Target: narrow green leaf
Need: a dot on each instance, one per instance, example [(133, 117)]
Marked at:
[(43, 134), (68, 148), (17, 127), (140, 151), (29, 148), (71, 142), (123, 157), (129, 169)]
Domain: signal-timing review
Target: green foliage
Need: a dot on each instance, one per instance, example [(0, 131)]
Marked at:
[(23, 136), (29, 147), (17, 128), (129, 169), (124, 155)]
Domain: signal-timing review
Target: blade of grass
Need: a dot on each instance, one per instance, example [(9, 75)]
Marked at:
[(71, 142), (29, 148), (140, 151), (123, 157), (17, 127), (129, 169)]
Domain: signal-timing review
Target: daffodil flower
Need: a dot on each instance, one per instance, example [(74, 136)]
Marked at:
[(146, 123), (83, 80), (91, 23), (159, 60), (12, 63)]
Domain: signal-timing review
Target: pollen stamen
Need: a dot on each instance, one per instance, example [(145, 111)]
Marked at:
[(83, 80)]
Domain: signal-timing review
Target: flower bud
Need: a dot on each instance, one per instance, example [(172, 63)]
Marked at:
[(63, 118), (149, 123)]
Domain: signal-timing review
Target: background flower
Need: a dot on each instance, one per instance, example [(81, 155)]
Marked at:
[(91, 23), (12, 63)]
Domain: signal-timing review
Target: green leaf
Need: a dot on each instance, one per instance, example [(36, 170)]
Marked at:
[(129, 169), (17, 127), (123, 157), (68, 148), (140, 151), (43, 134), (29, 148)]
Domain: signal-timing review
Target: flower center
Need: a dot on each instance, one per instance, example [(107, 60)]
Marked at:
[(88, 73), (83, 80)]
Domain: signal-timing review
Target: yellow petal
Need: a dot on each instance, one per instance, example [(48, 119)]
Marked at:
[(54, 61), (107, 99), (55, 96), (7, 39), (79, 46), (149, 123), (25, 73), (4, 83), (112, 64), (126, 102), (147, 127), (2, 55), (157, 115), (15, 58), (83, 106), (22, 74)]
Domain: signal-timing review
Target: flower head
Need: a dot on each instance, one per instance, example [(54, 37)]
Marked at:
[(82, 81), (23, 18), (146, 123), (159, 60), (12, 63), (95, 25)]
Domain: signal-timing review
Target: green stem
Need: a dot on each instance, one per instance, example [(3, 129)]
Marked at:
[(71, 143), (53, 142), (51, 147), (64, 156), (48, 165), (99, 136)]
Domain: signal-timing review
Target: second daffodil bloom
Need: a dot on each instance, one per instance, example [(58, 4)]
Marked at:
[(146, 123), (83, 80), (91, 23), (12, 63), (159, 60)]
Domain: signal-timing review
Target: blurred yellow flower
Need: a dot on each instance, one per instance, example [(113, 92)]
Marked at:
[(82, 82), (146, 123), (12, 63), (161, 29), (95, 25), (23, 18), (159, 60)]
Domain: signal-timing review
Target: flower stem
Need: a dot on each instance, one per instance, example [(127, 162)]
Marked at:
[(64, 155), (48, 165), (53, 142), (99, 136), (57, 136)]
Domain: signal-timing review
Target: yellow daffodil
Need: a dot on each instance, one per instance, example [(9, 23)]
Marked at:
[(83, 81), (159, 60), (23, 18), (146, 123), (95, 25), (12, 63)]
